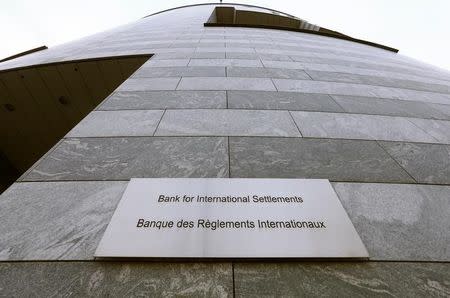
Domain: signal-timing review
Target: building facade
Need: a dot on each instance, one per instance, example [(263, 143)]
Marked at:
[(253, 93)]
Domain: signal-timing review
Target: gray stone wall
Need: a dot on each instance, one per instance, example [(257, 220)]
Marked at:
[(240, 102)]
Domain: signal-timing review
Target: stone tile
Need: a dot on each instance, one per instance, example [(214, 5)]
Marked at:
[(259, 72), (351, 68), (226, 62), (55, 220), (248, 56), (228, 83), (254, 56), (282, 64), (390, 107), (190, 71), (165, 100), (444, 109), (165, 63), (309, 86), (439, 129), (407, 76), (281, 101), (227, 123), (334, 279), (337, 160), (116, 279), (147, 84), (427, 163), (227, 49), (188, 55), (205, 44), (125, 158), (376, 80), (117, 123), (399, 221), (274, 57), (358, 126)]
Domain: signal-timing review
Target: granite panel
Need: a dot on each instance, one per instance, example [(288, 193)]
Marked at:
[(188, 55), (408, 76), (165, 63), (116, 279), (358, 126), (309, 86), (196, 45), (248, 56), (227, 123), (351, 69), (391, 107), (117, 123), (292, 64), (427, 163), (368, 63), (165, 100), (399, 221), (350, 279), (439, 129), (376, 80), (255, 56), (259, 72), (444, 109), (378, 64), (147, 84), (55, 220), (281, 101), (125, 158), (227, 49), (204, 83), (226, 62), (190, 71), (337, 160)]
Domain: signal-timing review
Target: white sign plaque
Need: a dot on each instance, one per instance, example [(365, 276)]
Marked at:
[(230, 218)]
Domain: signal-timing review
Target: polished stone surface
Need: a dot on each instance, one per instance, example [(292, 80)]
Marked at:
[(56, 220), (227, 123), (165, 100), (253, 56), (158, 72), (281, 101), (135, 157), (337, 160), (391, 107), (427, 163), (117, 123), (444, 109), (358, 126), (399, 221), (346, 68), (146, 84), (333, 59), (116, 279), (377, 80), (336, 88), (226, 62), (439, 129), (351, 279), (259, 72), (228, 83), (181, 55), (165, 63)]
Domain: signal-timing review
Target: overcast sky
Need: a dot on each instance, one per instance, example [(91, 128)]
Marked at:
[(418, 28)]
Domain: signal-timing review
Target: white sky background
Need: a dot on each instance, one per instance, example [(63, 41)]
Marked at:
[(418, 28)]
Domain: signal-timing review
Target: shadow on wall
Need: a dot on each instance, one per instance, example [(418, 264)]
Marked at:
[(40, 104)]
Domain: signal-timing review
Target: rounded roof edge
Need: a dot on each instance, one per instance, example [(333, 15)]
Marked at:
[(219, 3)]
